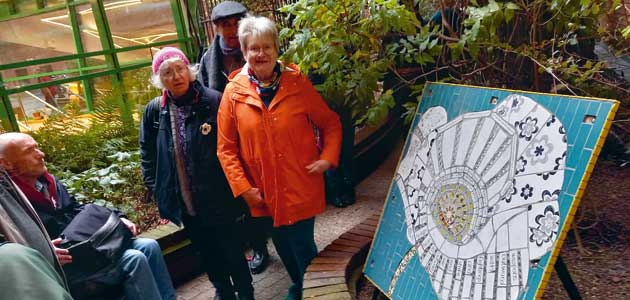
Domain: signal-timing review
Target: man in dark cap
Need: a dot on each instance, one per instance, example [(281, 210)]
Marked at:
[(224, 54), (222, 58)]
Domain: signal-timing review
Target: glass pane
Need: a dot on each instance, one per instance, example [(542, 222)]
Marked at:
[(152, 22), (23, 6), (146, 54), (100, 87), (138, 89), (136, 55), (36, 37), (31, 107), (54, 2), (90, 38), (28, 75)]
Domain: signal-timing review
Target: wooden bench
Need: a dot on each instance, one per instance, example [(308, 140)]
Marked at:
[(330, 274)]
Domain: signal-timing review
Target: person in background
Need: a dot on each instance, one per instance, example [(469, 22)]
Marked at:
[(222, 57), (267, 145), (141, 269), (178, 150), (27, 259)]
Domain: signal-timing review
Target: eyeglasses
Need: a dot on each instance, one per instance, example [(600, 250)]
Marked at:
[(267, 49), (169, 73)]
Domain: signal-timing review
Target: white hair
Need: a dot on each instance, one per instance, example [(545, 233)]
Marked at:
[(252, 26), (156, 80)]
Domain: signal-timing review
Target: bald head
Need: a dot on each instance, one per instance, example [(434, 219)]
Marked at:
[(20, 155)]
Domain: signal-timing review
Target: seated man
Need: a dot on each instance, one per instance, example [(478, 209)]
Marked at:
[(142, 270), (27, 259)]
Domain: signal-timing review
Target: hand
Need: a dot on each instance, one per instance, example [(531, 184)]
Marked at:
[(63, 255), (130, 225), (148, 196), (318, 167), (253, 196)]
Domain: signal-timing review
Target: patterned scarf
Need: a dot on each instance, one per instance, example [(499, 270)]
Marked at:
[(266, 91), (180, 109)]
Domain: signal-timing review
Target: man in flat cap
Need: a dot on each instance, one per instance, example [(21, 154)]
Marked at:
[(224, 54), (222, 58)]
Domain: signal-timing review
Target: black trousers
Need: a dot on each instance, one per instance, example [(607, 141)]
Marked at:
[(257, 231), (296, 247), (219, 246)]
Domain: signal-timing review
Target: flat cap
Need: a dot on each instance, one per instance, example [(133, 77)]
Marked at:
[(227, 9)]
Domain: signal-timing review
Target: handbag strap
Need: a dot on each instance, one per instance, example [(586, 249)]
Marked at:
[(106, 229)]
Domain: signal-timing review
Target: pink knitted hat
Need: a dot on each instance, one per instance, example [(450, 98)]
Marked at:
[(167, 53)]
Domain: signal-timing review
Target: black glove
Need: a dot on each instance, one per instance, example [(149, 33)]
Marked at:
[(148, 196)]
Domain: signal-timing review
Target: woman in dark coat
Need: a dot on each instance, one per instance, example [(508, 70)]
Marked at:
[(178, 140)]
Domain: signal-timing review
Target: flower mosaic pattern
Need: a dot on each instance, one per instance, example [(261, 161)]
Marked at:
[(547, 229), (482, 193)]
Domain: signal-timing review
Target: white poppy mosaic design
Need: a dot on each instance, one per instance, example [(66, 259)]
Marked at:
[(480, 196)]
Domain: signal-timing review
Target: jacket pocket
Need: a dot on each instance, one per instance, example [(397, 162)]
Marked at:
[(254, 173)]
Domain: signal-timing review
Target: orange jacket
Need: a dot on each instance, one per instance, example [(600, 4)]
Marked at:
[(269, 148)]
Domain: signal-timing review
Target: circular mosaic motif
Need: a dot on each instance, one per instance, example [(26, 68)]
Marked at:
[(457, 204), (453, 211)]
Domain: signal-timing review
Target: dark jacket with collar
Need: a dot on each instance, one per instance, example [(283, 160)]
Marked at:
[(211, 67), (56, 219), (20, 224), (211, 195)]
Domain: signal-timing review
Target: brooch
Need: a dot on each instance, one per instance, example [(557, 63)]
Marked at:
[(205, 128)]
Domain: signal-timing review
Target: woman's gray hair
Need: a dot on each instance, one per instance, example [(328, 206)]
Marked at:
[(156, 80), (252, 26)]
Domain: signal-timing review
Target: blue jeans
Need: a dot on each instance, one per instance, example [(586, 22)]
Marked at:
[(143, 271)]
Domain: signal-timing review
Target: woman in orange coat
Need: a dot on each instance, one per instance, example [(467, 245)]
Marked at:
[(267, 148)]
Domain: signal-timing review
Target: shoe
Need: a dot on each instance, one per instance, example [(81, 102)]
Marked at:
[(259, 261), (294, 293)]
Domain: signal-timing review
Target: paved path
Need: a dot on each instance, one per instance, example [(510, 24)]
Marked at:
[(274, 282)]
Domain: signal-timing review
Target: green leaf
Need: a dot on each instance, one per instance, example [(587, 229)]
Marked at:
[(457, 50), (473, 48), (509, 14)]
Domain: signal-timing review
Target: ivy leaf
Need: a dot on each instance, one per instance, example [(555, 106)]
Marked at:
[(457, 50)]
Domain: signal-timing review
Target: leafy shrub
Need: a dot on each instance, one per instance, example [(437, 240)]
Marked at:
[(98, 160), (119, 185)]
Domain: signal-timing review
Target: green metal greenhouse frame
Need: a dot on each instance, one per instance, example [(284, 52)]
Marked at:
[(112, 67)]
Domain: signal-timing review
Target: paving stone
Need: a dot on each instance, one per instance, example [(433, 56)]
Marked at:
[(190, 293), (209, 294), (325, 290), (318, 282)]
